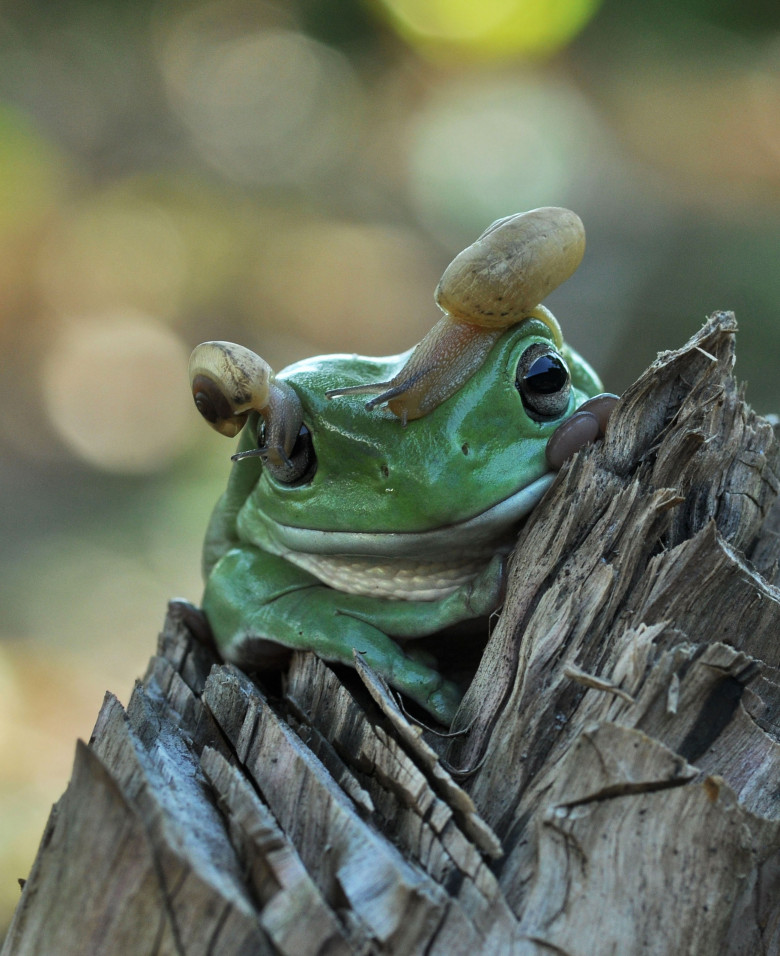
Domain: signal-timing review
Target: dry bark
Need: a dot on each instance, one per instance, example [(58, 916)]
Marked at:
[(613, 788)]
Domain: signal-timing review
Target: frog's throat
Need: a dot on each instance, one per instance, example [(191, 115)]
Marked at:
[(410, 565)]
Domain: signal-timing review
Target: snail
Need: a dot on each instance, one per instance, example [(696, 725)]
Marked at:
[(496, 282), (228, 382)]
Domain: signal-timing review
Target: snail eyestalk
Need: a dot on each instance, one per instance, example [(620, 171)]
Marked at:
[(229, 381)]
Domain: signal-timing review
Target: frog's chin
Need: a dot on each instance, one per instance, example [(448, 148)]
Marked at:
[(481, 535)]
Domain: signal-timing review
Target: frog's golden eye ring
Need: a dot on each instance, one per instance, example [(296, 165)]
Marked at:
[(496, 282), (229, 381), (587, 424)]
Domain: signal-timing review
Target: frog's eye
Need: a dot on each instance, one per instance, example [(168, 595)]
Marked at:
[(228, 382), (544, 383), (297, 468)]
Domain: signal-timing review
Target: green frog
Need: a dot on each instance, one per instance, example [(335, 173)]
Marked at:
[(351, 527)]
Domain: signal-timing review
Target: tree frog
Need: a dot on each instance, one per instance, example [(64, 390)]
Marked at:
[(352, 527)]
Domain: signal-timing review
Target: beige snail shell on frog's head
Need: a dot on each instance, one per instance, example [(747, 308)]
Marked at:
[(496, 282)]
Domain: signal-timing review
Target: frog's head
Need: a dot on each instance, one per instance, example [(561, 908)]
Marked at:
[(483, 397)]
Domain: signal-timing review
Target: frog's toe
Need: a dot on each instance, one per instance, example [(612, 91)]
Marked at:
[(425, 686), (444, 702), (487, 590)]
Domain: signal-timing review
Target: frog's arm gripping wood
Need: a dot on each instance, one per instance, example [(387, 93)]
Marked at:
[(254, 596)]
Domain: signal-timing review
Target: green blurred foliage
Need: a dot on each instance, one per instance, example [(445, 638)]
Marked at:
[(753, 18), (295, 175)]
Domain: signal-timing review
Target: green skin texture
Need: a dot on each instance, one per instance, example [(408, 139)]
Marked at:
[(375, 475)]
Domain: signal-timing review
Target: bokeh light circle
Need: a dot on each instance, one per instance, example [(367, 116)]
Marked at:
[(115, 391), (273, 106), (115, 248), (486, 146), (489, 29)]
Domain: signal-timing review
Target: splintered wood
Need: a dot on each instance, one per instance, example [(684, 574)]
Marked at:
[(611, 785)]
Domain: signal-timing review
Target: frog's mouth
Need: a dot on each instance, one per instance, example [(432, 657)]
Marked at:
[(408, 565)]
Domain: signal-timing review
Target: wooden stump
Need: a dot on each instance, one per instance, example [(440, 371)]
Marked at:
[(613, 786)]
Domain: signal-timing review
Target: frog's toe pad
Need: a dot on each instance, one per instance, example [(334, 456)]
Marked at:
[(444, 702)]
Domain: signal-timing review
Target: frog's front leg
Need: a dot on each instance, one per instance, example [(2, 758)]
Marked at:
[(253, 597)]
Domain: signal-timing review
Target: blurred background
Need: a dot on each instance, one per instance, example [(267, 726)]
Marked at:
[(294, 176)]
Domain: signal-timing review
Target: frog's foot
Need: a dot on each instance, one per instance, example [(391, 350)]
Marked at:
[(412, 678), (256, 602), (422, 684), (444, 702)]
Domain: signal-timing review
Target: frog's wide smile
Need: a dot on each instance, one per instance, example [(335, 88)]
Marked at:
[(476, 534), (406, 565)]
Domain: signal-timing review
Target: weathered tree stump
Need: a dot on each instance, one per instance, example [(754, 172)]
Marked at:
[(613, 786)]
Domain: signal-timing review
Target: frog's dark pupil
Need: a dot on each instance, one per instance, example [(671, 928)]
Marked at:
[(546, 375), (302, 444)]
